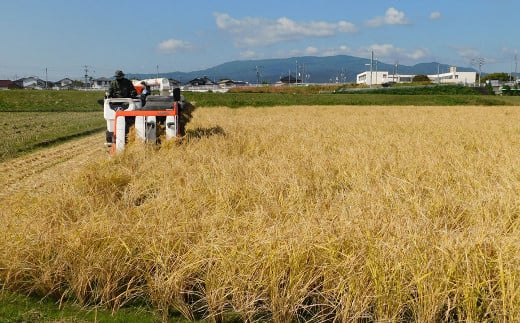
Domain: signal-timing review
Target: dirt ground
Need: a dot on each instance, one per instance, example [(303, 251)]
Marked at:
[(36, 170)]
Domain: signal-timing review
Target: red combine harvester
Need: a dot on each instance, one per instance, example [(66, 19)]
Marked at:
[(150, 116)]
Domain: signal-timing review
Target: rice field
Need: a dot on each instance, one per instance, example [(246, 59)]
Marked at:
[(283, 214)]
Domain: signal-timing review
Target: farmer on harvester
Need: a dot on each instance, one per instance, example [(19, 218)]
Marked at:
[(121, 87)]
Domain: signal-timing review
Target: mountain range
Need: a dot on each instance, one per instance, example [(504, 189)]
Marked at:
[(329, 69)]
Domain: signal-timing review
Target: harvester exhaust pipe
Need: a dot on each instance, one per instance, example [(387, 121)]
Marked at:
[(176, 94)]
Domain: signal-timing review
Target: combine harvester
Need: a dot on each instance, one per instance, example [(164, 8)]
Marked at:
[(149, 116)]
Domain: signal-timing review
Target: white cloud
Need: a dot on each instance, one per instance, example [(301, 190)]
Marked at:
[(315, 51), (173, 45), (472, 56), (388, 52), (392, 17), (311, 50), (467, 52), (384, 50), (417, 54), (249, 54), (435, 15), (341, 50), (251, 31)]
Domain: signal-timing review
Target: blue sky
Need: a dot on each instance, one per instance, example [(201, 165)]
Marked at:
[(63, 36)]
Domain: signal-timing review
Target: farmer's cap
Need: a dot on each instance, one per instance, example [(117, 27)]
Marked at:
[(119, 74)]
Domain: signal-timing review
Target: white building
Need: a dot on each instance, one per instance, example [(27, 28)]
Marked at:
[(101, 83), (381, 77), (454, 77), (373, 77)]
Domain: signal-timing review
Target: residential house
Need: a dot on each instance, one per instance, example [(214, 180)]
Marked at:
[(201, 84), (7, 85), (101, 83), (226, 83), (64, 84), (174, 82), (32, 82), (198, 81)]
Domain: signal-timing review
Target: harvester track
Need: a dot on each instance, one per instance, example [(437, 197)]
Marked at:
[(33, 171)]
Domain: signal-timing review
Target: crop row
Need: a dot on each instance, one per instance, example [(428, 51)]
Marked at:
[(25, 131)]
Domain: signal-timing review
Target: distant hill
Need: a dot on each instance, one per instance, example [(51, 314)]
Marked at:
[(341, 68)]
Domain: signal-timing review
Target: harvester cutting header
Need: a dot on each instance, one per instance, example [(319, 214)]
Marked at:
[(130, 104)]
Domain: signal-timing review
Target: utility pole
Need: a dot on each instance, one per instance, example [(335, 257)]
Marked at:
[(376, 71), (478, 62), (397, 71), (296, 73), (371, 67), (516, 66), (86, 75), (258, 74), (46, 78)]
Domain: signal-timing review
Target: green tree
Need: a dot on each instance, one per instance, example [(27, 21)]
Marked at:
[(489, 88), (421, 78), (77, 83), (506, 90), (496, 76)]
